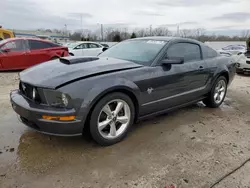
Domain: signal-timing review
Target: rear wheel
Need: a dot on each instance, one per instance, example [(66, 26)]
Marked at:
[(217, 94), (111, 119)]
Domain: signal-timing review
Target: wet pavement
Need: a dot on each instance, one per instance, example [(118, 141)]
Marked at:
[(191, 147)]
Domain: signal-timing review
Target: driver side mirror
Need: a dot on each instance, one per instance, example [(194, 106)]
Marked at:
[(6, 50), (172, 61)]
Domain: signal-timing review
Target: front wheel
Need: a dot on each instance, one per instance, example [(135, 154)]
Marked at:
[(111, 119), (217, 94)]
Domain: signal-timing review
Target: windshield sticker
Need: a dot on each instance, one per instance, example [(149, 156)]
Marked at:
[(156, 42)]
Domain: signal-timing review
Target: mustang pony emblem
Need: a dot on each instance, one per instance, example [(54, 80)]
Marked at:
[(150, 90)]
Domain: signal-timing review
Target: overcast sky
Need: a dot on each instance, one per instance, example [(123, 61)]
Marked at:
[(209, 14)]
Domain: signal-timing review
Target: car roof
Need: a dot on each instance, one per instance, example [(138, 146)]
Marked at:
[(26, 38), (163, 38), (80, 42)]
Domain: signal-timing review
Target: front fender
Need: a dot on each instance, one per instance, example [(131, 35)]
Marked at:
[(104, 86)]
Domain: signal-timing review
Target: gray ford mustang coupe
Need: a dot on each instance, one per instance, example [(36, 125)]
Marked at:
[(132, 80)]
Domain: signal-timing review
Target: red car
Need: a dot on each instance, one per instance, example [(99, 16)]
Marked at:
[(21, 53)]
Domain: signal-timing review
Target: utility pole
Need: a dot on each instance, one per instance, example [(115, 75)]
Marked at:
[(178, 30), (102, 31), (81, 25), (150, 30), (66, 31), (65, 26)]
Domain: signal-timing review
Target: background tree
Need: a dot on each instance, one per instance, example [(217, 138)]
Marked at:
[(76, 36), (161, 31), (133, 35), (117, 38)]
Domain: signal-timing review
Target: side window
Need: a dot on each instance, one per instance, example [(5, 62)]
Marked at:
[(188, 51), (6, 35), (209, 52), (15, 46), (237, 48), (54, 45), (81, 46), (35, 45), (92, 45)]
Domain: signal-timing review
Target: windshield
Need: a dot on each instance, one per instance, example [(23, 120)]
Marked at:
[(139, 51)]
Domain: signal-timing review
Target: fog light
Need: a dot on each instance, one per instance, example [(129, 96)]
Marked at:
[(59, 118)]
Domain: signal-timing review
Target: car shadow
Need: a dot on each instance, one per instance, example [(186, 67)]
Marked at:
[(243, 75), (36, 152), (10, 71)]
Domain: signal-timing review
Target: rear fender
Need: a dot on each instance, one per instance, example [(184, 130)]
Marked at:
[(221, 70)]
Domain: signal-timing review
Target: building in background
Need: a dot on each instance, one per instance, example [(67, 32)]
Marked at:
[(43, 34)]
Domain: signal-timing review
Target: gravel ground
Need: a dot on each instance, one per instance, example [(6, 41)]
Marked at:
[(191, 147)]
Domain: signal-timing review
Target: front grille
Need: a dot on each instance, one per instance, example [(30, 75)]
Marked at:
[(248, 62), (27, 91)]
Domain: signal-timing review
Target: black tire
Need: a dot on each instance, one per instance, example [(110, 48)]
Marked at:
[(210, 101), (97, 137)]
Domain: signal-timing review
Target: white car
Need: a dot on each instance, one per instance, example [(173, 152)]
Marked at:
[(235, 49), (225, 53), (242, 61), (85, 48), (243, 65)]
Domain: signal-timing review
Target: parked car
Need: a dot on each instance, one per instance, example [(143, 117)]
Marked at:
[(21, 53), (105, 45), (133, 80), (85, 48), (243, 64), (225, 53), (235, 49), (242, 61)]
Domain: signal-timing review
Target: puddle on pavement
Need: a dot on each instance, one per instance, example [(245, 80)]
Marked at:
[(38, 153)]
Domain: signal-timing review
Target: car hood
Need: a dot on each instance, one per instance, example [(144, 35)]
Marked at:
[(54, 73)]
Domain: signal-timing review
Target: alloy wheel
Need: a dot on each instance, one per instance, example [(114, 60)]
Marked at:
[(114, 119), (220, 91)]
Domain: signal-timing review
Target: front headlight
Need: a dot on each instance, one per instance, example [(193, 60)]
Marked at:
[(57, 99), (65, 99)]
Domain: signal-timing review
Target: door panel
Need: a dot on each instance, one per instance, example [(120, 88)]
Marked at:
[(39, 52), (16, 58), (93, 49), (38, 56), (77, 52), (160, 87), (172, 85)]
